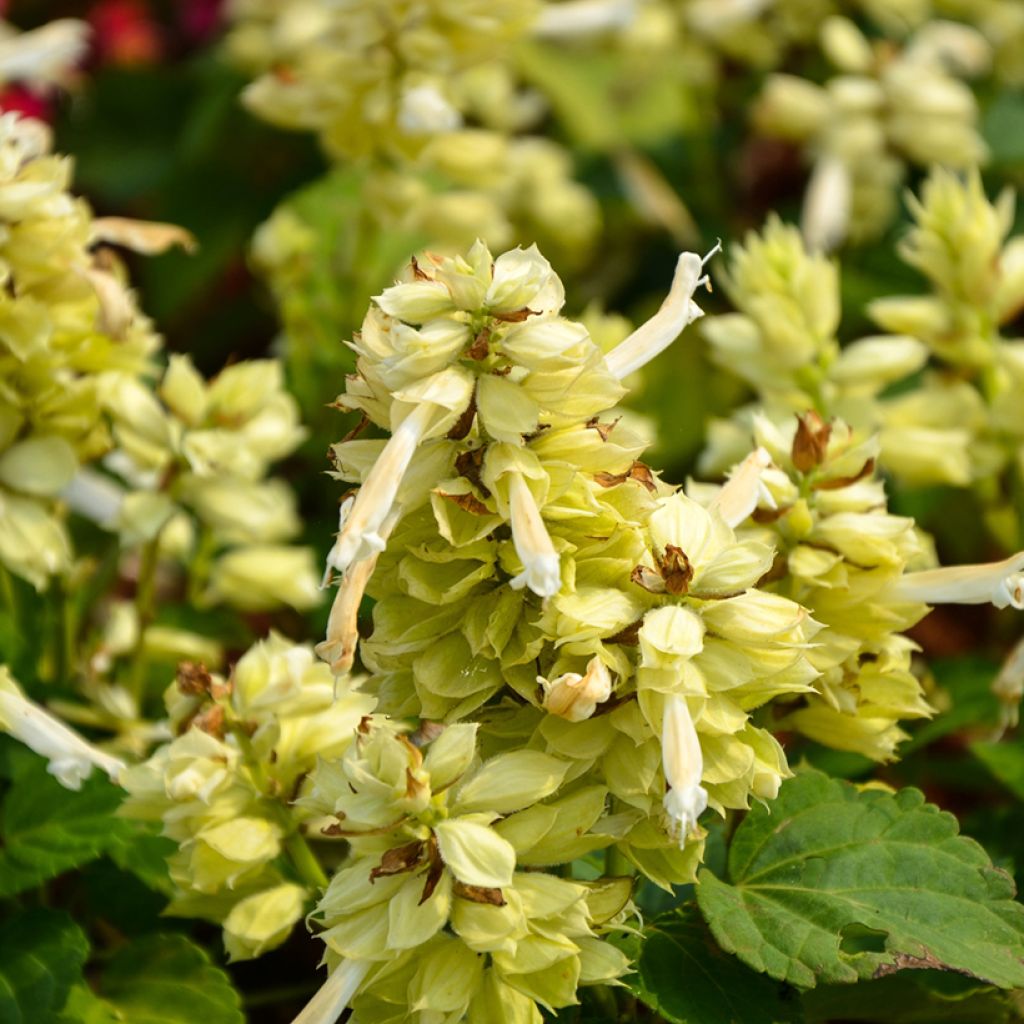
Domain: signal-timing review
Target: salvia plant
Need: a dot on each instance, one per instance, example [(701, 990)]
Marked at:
[(656, 594)]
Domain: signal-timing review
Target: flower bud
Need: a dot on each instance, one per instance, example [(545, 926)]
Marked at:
[(574, 696)]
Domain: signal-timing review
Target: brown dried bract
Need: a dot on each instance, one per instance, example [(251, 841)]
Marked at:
[(481, 345), (400, 859), (515, 317), (603, 429), (839, 482), (464, 423), (479, 894), (630, 636), (638, 472), (811, 441), (468, 503), (193, 678), (418, 272), (650, 579), (211, 721), (676, 570)]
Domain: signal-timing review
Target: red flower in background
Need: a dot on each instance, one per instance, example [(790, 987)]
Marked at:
[(199, 19), (125, 32), (29, 103)]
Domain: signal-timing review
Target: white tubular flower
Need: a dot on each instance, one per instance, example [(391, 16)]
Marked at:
[(678, 310), (825, 218), (335, 994), (71, 758), (541, 569), (744, 489), (94, 496), (338, 648), (359, 536), (574, 696), (574, 18), (45, 55), (1009, 687), (683, 762), (425, 111), (998, 583)]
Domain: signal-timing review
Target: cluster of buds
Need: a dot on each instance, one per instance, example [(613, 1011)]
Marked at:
[(882, 110), (227, 788), (959, 243), (73, 332), (782, 342), (192, 459)]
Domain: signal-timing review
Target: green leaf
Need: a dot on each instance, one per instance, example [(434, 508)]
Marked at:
[(48, 829), (832, 884), (1005, 761), (687, 979), (910, 997), (41, 957), (160, 979)]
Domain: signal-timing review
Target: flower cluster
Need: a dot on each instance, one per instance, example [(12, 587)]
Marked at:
[(72, 332), (878, 113), (959, 243), (225, 789), (783, 343)]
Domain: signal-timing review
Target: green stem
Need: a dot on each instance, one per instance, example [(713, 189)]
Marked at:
[(144, 594), (305, 861), (10, 596), (617, 864)]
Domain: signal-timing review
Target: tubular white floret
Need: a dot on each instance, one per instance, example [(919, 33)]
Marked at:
[(338, 648), (333, 997), (359, 536), (825, 219), (94, 496), (744, 490), (683, 763), (541, 569), (425, 111), (998, 583), (71, 758), (574, 18), (676, 312)]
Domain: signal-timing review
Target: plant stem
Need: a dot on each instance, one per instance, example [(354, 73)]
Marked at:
[(305, 861), (144, 592), (617, 864)]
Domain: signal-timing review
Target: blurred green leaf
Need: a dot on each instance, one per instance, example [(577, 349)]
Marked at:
[(830, 884), (165, 979), (48, 829), (687, 979), (1005, 761), (41, 956)]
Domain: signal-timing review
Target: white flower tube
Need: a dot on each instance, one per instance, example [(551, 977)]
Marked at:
[(359, 536), (574, 696), (541, 569), (683, 762), (574, 18), (998, 583), (825, 218), (94, 496), (335, 994), (676, 312), (744, 489), (71, 758), (425, 111), (45, 55), (338, 648)]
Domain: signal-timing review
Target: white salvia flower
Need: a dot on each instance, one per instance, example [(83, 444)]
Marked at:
[(338, 648), (1009, 687), (676, 312), (825, 218), (335, 994), (683, 762), (425, 111), (94, 496), (745, 489), (45, 55), (998, 583), (359, 535), (574, 18), (541, 570), (344, 510), (574, 696), (71, 758)]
